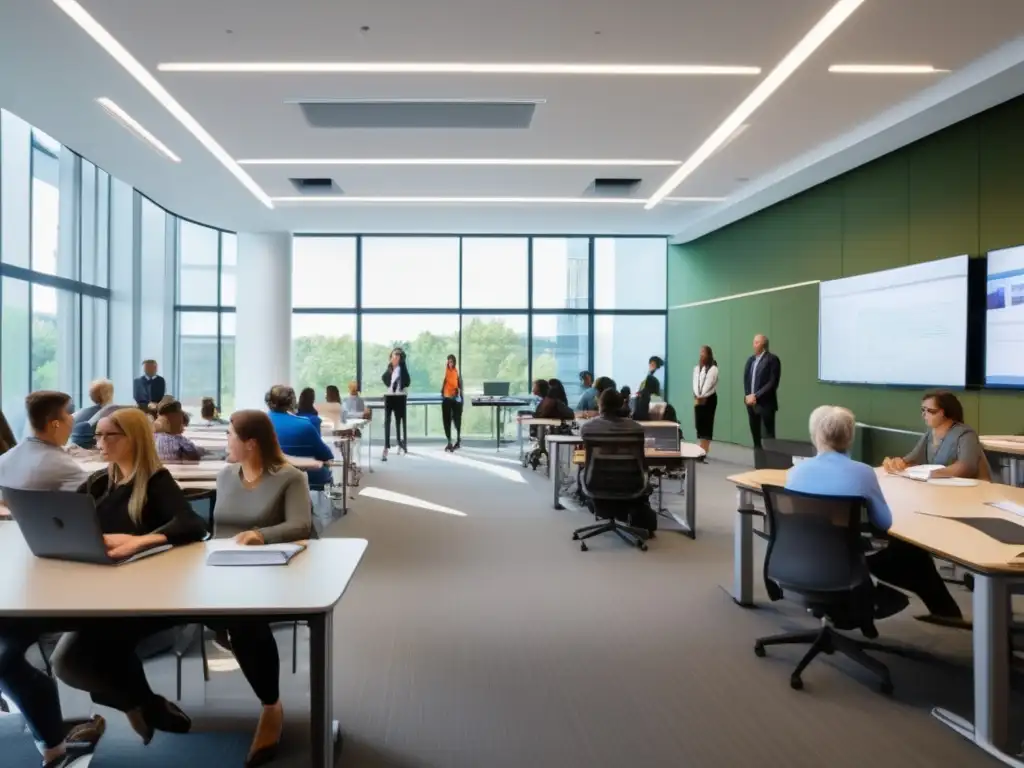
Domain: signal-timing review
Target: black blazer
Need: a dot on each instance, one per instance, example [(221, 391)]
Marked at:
[(403, 376), (769, 373), (147, 392)]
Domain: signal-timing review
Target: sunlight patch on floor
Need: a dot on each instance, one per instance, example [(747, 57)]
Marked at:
[(410, 501), (503, 472)]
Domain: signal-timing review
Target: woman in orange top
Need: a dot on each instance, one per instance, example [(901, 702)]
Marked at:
[(451, 403)]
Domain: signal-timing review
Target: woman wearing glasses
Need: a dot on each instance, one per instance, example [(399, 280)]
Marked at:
[(948, 442)]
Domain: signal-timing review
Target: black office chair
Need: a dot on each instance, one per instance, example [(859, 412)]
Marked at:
[(615, 482), (778, 454), (815, 553)]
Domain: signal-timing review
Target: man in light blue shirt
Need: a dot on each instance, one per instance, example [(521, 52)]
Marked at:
[(833, 473)]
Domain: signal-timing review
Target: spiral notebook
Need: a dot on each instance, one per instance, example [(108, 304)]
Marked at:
[(241, 555)]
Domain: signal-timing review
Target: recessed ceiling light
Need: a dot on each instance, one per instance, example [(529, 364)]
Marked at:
[(121, 55), (444, 200), (135, 127), (453, 68), (821, 31), (885, 69), (529, 161)]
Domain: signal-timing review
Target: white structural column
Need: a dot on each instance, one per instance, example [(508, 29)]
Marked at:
[(263, 332)]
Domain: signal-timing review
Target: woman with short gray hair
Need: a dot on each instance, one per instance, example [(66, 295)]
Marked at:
[(832, 428)]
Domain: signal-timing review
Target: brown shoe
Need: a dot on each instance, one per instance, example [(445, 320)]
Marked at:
[(88, 732)]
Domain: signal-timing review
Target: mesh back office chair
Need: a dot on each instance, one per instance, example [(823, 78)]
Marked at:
[(615, 482), (815, 553), (778, 454)]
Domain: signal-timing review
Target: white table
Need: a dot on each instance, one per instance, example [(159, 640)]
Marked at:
[(178, 583), (554, 443), (497, 402), (204, 470)]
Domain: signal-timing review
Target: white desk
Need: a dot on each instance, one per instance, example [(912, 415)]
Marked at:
[(178, 583), (204, 470)]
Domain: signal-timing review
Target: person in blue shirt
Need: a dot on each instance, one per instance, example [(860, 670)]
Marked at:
[(588, 397), (833, 473), (297, 435)]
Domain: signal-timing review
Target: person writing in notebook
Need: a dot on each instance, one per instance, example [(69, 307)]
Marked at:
[(833, 473), (139, 505), (948, 442), (261, 499)]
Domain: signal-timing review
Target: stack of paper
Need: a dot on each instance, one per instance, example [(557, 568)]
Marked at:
[(1008, 506), (920, 472)]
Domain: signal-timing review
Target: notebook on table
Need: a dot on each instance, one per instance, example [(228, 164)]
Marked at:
[(920, 472), (244, 555)]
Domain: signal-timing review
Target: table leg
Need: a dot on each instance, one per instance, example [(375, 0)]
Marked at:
[(344, 479), (691, 498), (990, 730), (497, 427), (519, 437), (555, 471), (369, 446), (1015, 478), (743, 550), (321, 685)]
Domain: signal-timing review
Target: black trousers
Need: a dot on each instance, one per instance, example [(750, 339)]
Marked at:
[(758, 418), (397, 406), (909, 567), (32, 690), (451, 411), (255, 650)]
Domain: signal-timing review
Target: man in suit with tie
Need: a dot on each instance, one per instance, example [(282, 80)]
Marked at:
[(149, 387), (761, 377)]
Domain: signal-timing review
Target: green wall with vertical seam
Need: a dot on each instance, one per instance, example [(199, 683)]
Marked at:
[(960, 190)]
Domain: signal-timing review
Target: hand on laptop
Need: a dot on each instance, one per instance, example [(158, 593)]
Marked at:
[(123, 545), (249, 538)]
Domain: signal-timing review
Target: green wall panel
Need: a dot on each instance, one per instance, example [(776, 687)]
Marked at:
[(958, 191)]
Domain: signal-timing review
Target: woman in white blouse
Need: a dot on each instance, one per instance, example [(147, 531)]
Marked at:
[(705, 396)]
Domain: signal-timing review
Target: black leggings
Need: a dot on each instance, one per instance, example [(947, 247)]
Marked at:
[(255, 650), (394, 404), (451, 410), (34, 692)]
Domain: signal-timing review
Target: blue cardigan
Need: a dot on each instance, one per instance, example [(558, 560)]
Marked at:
[(298, 437)]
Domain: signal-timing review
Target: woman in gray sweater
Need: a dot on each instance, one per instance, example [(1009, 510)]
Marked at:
[(261, 499)]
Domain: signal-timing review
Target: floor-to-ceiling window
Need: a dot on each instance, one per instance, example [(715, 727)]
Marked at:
[(511, 309), (54, 268)]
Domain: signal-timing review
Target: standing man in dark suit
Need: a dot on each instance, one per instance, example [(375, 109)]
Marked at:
[(761, 377), (149, 387)]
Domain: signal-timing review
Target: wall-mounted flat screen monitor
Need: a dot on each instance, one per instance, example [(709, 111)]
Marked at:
[(905, 326), (1004, 318)]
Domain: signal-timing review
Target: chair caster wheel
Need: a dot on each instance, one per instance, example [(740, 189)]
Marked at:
[(796, 683), (575, 537), (759, 650), (583, 546), (886, 688), (643, 547)]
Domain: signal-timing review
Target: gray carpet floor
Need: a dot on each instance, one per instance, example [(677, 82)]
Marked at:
[(490, 641)]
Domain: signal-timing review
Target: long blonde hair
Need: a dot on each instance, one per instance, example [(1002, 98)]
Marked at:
[(145, 462)]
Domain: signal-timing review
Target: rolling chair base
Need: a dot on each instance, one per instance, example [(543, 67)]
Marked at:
[(828, 640), (635, 537)]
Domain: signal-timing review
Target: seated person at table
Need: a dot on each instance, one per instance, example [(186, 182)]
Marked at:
[(602, 383), (171, 443), (139, 505), (948, 441), (39, 464), (209, 415), (306, 408), (331, 409), (610, 421), (354, 406), (554, 403), (833, 473), (261, 499), (101, 392), (588, 398), (650, 391), (296, 435)]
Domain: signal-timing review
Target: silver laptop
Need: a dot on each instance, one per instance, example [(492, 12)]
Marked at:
[(63, 525), (666, 437)]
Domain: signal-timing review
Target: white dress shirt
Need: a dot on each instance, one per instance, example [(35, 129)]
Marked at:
[(705, 381)]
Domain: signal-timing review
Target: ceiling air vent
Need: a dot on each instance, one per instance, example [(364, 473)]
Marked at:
[(315, 186), (419, 113), (608, 187)]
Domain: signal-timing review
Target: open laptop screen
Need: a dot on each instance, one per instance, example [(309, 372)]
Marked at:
[(666, 437)]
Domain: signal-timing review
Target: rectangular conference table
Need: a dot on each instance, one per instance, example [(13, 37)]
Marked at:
[(997, 569), (687, 455), (178, 583)]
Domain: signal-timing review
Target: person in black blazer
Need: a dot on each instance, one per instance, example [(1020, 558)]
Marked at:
[(396, 379), (761, 376), (149, 387)]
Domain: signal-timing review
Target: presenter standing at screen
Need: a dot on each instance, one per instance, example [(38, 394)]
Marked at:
[(761, 376)]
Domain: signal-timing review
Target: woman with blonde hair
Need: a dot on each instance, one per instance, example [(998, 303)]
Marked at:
[(139, 506)]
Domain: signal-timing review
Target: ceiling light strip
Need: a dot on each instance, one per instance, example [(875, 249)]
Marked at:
[(120, 54), (492, 161), (136, 128), (450, 68), (451, 200), (885, 69), (821, 31)]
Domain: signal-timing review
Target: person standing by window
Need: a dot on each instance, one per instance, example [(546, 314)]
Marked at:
[(150, 387), (705, 396), (451, 403), (396, 379)]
